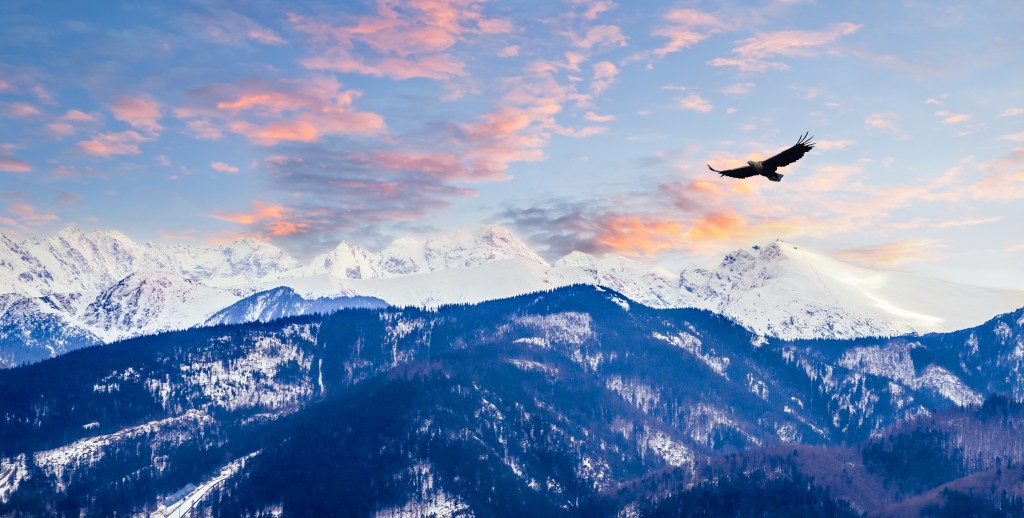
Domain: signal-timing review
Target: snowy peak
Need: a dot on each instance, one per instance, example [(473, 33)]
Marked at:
[(460, 249), (407, 256), (148, 302), (791, 292)]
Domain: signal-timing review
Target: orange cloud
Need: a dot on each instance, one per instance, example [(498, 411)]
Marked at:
[(636, 235), (261, 212), (109, 144), (141, 112), (299, 112)]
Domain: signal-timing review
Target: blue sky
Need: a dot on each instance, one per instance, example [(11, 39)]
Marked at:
[(580, 124)]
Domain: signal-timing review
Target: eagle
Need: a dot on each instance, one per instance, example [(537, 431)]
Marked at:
[(768, 167)]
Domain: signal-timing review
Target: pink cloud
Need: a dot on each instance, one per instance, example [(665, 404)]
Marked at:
[(109, 144), (141, 112), (754, 53), (405, 43), (593, 117), (600, 36), (296, 111), (509, 51), (272, 220), (10, 164), (594, 8), (604, 76), (26, 218), (696, 103), (685, 28), (223, 168), (68, 124), (265, 36), (24, 110), (204, 129), (952, 118), (738, 89)]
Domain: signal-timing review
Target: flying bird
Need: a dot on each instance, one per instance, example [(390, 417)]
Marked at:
[(768, 167)]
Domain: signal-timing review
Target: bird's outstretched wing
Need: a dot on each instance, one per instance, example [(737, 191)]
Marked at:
[(802, 146), (740, 172)]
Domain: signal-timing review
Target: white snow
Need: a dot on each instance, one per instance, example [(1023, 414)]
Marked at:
[(184, 506), (105, 286)]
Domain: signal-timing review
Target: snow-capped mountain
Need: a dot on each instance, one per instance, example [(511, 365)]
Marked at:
[(788, 291), (284, 302), (148, 302), (407, 256), (73, 261), (77, 288)]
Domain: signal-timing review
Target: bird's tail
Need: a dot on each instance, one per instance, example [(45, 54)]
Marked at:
[(713, 169), (775, 177)]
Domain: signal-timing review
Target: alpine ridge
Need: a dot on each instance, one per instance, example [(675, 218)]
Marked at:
[(81, 288)]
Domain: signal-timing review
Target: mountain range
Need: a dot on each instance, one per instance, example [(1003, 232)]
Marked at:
[(77, 288), (576, 401)]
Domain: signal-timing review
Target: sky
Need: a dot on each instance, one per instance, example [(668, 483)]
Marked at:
[(578, 124)]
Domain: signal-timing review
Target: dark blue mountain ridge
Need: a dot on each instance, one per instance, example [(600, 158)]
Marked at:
[(539, 403)]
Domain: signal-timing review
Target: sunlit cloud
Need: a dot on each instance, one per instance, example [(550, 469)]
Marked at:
[(297, 111), (510, 51), (594, 8), (406, 43), (685, 28), (265, 36), (10, 164), (600, 36), (696, 103), (70, 123), (892, 253), (141, 112), (273, 220), (25, 218), (223, 168), (1011, 112), (755, 54), (952, 118), (23, 110), (604, 76), (883, 121), (109, 144), (593, 117), (738, 89)]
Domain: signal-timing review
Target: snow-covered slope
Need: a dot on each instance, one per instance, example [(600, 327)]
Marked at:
[(148, 302), (79, 287), (73, 261), (285, 302), (788, 291)]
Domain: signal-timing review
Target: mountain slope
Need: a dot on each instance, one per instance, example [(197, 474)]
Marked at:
[(790, 292), (548, 400)]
